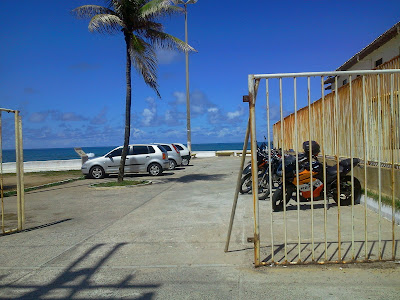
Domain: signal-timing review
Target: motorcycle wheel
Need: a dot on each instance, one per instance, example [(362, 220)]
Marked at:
[(246, 183), (345, 191), (263, 189), (277, 200)]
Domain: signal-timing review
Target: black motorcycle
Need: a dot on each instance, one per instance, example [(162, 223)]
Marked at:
[(263, 173)]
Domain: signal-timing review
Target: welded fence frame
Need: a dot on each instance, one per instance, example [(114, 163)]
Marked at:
[(253, 84), (19, 172)]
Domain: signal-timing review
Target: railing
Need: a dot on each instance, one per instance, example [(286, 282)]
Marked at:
[(360, 120), (19, 174)]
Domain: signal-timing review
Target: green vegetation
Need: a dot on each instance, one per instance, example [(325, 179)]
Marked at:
[(385, 199), (13, 193), (48, 173), (122, 183)]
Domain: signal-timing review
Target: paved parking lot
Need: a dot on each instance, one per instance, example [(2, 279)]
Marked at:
[(162, 241)]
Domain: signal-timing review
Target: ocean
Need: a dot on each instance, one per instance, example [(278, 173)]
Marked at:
[(69, 153)]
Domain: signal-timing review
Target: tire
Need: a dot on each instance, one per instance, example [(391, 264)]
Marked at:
[(245, 184), (345, 191), (96, 172), (155, 169), (263, 189), (277, 200), (172, 164), (185, 161)]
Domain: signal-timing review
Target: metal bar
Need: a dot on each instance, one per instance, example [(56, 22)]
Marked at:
[(331, 73), (270, 169), (1, 174), (379, 165), (337, 166), (254, 170), (21, 171), (283, 167), (352, 168), (238, 184), (324, 167), (392, 129), (8, 110), (311, 167), (18, 170), (297, 167), (365, 137)]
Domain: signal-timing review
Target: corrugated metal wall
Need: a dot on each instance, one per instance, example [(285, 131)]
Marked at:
[(378, 110)]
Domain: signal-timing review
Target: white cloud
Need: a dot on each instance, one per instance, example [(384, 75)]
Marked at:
[(235, 114), (166, 57), (180, 98)]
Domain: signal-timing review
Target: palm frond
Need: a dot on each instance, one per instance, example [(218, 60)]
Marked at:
[(144, 60), (89, 11), (166, 41), (106, 23), (159, 8)]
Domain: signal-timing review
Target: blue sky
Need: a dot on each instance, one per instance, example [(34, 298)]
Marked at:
[(69, 84)]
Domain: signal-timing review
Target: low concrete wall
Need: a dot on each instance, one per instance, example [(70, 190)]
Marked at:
[(50, 165), (386, 180)]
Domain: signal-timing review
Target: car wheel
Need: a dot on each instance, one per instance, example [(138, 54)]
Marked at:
[(155, 169), (97, 172), (185, 161), (172, 164)]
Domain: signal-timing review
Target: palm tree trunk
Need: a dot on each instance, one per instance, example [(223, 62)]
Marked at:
[(128, 105)]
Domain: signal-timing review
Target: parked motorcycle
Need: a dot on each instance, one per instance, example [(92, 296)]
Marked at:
[(317, 186), (263, 173)]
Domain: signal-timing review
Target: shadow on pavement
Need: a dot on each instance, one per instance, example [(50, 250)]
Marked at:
[(38, 227), (79, 282)]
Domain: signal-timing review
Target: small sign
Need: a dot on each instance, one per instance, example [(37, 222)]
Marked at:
[(80, 152)]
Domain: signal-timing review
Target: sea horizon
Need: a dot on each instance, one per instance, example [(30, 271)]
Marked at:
[(67, 153)]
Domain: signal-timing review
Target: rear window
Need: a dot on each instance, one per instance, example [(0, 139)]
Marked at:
[(179, 147), (166, 147), (140, 150), (161, 148), (151, 149)]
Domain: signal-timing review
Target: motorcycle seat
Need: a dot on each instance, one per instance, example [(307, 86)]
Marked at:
[(332, 170)]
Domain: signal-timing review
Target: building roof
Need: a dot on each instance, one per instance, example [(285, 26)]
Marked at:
[(378, 42), (381, 40)]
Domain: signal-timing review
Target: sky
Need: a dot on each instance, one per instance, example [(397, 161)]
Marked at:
[(69, 84)]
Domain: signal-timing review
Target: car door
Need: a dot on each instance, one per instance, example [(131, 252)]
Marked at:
[(138, 160), (113, 160)]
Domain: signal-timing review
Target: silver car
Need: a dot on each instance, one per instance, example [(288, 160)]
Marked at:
[(174, 155), (140, 158), (185, 153)]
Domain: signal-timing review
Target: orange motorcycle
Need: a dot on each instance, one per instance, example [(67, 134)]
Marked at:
[(302, 180)]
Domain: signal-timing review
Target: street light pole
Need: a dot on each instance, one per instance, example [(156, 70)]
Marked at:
[(189, 132)]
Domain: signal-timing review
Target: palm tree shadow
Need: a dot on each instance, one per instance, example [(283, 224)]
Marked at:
[(65, 282)]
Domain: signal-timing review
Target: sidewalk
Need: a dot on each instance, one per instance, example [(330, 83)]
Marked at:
[(162, 241)]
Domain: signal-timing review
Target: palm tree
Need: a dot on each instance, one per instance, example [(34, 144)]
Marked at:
[(137, 20)]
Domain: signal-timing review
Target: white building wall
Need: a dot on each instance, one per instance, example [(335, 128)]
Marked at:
[(387, 51)]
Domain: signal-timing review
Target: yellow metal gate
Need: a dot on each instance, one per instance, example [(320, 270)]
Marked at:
[(13, 207), (357, 121)]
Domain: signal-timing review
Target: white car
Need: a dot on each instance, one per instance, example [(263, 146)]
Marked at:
[(185, 153)]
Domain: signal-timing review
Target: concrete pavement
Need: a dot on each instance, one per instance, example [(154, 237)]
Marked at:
[(166, 241)]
